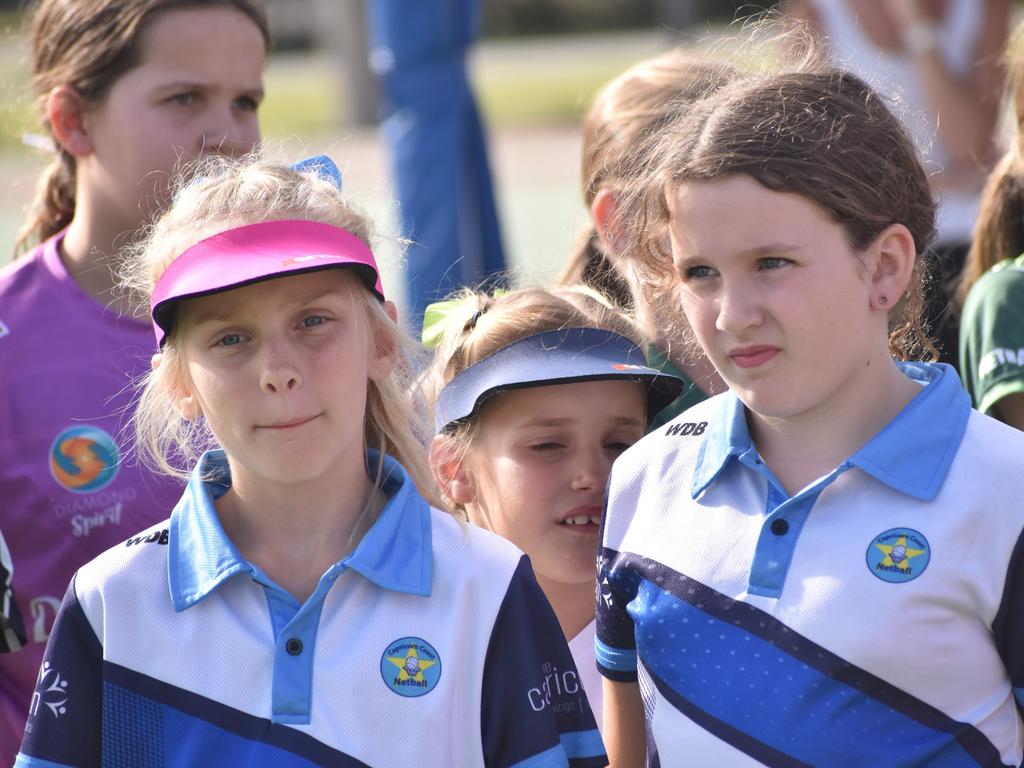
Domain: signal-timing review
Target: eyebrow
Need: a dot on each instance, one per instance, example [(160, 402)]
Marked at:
[(193, 85)]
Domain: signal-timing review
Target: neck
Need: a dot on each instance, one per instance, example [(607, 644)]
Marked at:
[(294, 532), (803, 448), (573, 603), (87, 252)]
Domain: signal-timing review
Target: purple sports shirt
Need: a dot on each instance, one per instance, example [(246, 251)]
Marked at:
[(68, 489)]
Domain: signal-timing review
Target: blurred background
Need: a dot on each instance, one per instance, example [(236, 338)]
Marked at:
[(535, 68)]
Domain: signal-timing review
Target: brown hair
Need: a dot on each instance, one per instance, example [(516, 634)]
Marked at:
[(88, 45), (627, 113), (818, 132), (999, 230), (482, 324), (219, 193)]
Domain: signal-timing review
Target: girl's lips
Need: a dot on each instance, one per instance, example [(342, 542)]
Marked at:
[(751, 357), (288, 424)]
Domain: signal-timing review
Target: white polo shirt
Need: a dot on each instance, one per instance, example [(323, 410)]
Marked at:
[(873, 618), (429, 645)]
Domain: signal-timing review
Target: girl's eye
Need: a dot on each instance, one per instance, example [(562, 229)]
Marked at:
[(313, 320), (247, 104), (773, 262), (548, 447), (182, 99), (698, 272), (618, 446), (229, 340)]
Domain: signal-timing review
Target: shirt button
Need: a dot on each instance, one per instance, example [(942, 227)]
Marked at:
[(293, 646), (780, 527)]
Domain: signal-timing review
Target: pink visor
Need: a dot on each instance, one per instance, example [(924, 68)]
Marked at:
[(256, 252)]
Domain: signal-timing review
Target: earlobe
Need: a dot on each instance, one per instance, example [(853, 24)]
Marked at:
[(65, 111), (188, 408), (450, 471), (182, 399), (892, 267)]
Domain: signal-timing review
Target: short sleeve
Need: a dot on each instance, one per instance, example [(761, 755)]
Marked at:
[(992, 337), (1008, 626), (12, 626), (615, 644), (64, 719), (534, 713)]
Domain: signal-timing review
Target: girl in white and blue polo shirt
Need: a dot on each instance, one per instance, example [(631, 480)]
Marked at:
[(821, 566), (304, 604)]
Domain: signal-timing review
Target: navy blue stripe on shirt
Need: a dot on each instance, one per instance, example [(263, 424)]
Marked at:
[(722, 730), (206, 711), (1008, 625), (746, 668), (64, 713)]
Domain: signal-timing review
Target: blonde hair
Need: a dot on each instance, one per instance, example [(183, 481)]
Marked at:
[(217, 194), (999, 230), (626, 115), (88, 45), (481, 324)]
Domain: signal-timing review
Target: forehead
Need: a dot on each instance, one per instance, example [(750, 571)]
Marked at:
[(202, 43), (739, 212), (327, 284)]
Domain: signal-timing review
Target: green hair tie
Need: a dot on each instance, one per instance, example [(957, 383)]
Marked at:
[(449, 316)]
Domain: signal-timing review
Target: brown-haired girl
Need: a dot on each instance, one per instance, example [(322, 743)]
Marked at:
[(619, 131), (822, 565), (125, 89), (991, 291), (304, 604), (536, 394)]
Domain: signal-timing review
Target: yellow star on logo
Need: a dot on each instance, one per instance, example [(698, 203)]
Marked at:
[(410, 666), (898, 555)]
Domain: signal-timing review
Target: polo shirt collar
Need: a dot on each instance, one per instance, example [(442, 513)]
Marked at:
[(395, 553), (911, 454)]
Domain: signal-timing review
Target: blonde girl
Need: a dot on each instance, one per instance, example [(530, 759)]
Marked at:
[(536, 393), (304, 604), (618, 132)]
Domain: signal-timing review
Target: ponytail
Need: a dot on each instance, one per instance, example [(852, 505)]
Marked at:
[(53, 205)]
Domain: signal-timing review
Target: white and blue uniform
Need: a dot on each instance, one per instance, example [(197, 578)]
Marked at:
[(873, 618), (429, 645)]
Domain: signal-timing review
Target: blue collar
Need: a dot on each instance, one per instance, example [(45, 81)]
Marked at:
[(396, 553), (911, 454)]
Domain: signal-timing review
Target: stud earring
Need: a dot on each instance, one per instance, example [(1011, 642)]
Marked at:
[(883, 300)]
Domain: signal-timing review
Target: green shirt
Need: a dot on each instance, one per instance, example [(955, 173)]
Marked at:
[(691, 395), (992, 335)]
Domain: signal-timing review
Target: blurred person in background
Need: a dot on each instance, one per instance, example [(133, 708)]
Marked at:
[(991, 290), (437, 145), (941, 61), (126, 89), (624, 122)]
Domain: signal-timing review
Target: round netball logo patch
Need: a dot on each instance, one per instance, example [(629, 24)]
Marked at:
[(898, 555), (410, 667), (84, 459)]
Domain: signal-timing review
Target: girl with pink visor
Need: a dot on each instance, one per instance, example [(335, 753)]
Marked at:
[(307, 602)]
